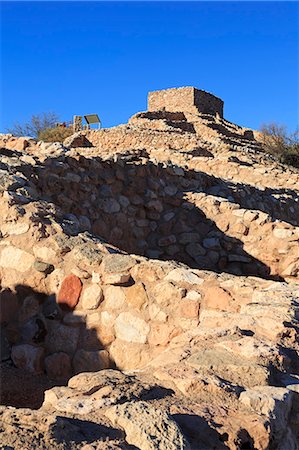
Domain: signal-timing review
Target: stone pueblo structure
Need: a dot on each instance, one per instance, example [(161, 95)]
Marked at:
[(149, 286)]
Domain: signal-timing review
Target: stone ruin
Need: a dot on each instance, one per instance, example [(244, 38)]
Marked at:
[(153, 268), (185, 99)]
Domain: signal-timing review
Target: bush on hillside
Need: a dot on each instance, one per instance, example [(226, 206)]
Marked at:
[(57, 134), (36, 124), (283, 145)]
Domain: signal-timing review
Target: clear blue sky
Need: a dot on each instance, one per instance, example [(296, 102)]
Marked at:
[(86, 57)]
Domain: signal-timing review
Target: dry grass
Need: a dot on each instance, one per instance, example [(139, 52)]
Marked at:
[(278, 142), (57, 134)]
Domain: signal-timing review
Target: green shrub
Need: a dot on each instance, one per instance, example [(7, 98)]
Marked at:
[(283, 145), (57, 134)]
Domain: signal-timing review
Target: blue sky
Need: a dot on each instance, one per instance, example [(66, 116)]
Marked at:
[(86, 57)]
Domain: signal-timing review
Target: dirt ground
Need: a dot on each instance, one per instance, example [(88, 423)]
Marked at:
[(21, 389)]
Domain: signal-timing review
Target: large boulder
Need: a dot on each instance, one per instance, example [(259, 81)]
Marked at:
[(77, 140), (147, 427)]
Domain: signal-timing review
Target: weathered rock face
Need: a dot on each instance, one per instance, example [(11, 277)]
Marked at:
[(212, 344)]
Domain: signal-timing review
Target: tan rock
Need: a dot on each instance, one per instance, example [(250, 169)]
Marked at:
[(61, 338), (161, 333), (12, 229), (136, 296), (90, 361), (28, 357), (184, 276), (166, 294), (58, 366), (91, 297), (230, 367), (105, 331), (116, 278), (15, 258), (131, 328), (189, 309), (147, 427), (114, 298), (129, 355), (218, 298), (157, 313), (45, 254)]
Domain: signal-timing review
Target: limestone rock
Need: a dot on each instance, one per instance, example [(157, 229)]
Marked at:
[(76, 140), (58, 366), (28, 357), (5, 348), (136, 295), (15, 258), (146, 427), (184, 276), (117, 263), (115, 298), (8, 306), (228, 366), (75, 318), (29, 308), (131, 328), (61, 338), (92, 297), (90, 361), (116, 278)]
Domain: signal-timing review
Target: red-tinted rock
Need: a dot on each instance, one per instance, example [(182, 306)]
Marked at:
[(69, 293)]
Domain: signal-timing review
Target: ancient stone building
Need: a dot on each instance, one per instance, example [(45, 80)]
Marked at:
[(186, 99)]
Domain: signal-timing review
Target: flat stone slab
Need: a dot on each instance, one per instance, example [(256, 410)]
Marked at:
[(235, 369)]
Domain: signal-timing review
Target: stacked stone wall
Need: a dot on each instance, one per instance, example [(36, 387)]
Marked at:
[(141, 207), (186, 99), (71, 302), (207, 103)]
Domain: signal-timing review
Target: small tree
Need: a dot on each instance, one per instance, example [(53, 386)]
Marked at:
[(37, 124), (279, 142)]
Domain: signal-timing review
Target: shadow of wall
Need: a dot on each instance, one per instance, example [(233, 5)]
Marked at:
[(141, 206), (43, 344)]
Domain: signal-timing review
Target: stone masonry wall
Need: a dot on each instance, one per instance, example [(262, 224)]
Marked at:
[(186, 99), (71, 302), (141, 207)]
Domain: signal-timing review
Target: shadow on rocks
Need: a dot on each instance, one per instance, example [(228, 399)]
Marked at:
[(199, 433), (141, 207), (42, 345)]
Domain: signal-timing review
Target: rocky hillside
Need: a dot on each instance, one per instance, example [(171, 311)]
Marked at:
[(149, 285)]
